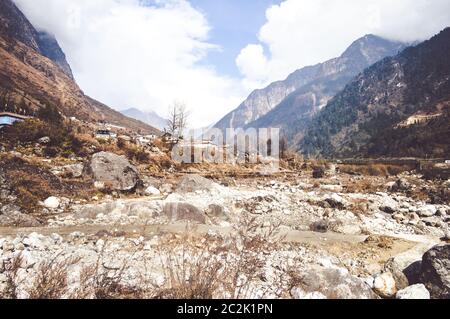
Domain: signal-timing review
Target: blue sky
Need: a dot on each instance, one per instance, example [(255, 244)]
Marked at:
[(235, 23)]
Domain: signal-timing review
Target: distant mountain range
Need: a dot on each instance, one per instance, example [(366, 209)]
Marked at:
[(290, 103), (34, 71), (400, 106), (151, 118), (379, 98)]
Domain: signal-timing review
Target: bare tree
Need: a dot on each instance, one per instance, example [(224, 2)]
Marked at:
[(183, 115), (172, 122), (178, 118)]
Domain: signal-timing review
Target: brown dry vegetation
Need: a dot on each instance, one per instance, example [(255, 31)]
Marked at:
[(375, 169), (32, 183)]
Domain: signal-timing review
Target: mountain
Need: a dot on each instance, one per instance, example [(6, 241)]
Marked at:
[(398, 107), (49, 47), (34, 71), (307, 89), (294, 113), (151, 118)]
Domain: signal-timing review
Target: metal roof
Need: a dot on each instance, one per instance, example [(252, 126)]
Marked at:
[(18, 116)]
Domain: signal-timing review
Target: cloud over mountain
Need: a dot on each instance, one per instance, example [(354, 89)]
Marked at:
[(304, 32), (138, 53)]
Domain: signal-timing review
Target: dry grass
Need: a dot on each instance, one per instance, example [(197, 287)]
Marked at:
[(51, 280), (363, 185), (374, 169), (11, 268), (32, 183)]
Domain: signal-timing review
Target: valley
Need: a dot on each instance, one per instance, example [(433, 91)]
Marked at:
[(350, 201)]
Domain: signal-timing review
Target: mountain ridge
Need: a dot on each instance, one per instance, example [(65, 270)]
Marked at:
[(28, 76), (263, 101), (397, 107)]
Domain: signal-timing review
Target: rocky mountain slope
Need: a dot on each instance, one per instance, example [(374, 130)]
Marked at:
[(294, 113), (309, 88), (151, 118), (34, 71), (397, 107)]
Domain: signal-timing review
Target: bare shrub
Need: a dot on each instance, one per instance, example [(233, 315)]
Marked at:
[(228, 267), (190, 273), (51, 281), (11, 268), (98, 282)]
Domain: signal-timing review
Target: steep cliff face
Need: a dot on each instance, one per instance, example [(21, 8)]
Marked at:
[(15, 26), (34, 71), (308, 88), (49, 47), (397, 107)]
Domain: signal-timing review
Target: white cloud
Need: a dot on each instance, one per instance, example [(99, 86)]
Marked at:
[(129, 55), (304, 32)]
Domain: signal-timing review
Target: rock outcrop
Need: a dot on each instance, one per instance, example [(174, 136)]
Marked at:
[(435, 272), (332, 283), (112, 171), (194, 183), (418, 291), (184, 211)]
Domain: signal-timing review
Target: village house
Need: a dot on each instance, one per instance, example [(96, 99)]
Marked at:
[(7, 118), (105, 135)]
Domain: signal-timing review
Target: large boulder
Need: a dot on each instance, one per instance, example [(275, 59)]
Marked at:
[(73, 170), (11, 216), (435, 272), (184, 211), (194, 183), (418, 291), (333, 283), (384, 285), (112, 171), (427, 211)]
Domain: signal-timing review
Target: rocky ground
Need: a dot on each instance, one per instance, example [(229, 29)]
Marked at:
[(287, 235)]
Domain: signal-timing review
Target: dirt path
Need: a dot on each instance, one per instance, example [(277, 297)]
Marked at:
[(292, 236)]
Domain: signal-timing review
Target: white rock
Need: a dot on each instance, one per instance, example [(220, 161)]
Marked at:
[(325, 262), (34, 240), (414, 292), (52, 202), (8, 246), (427, 211), (3, 278), (57, 239), (298, 293), (369, 281), (44, 140), (152, 191), (384, 285)]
